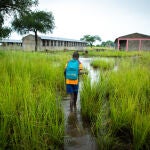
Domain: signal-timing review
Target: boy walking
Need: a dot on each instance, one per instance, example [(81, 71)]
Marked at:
[(72, 72)]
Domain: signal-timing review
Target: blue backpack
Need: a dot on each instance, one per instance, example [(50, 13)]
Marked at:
[(72, 69)]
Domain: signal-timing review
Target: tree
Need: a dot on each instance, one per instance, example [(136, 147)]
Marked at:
[(4, 31), (39, 21), (103, 44), (108, 44), (90, 39), (13, 7)]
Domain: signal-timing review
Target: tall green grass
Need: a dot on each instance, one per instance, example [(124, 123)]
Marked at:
[(103, 64), (113, 53), (31, 85), (122, 117), (89, 100)]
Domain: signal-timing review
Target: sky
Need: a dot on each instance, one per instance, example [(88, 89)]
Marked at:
[(108, 19)]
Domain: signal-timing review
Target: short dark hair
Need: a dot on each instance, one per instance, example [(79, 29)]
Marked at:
[(75, 55)]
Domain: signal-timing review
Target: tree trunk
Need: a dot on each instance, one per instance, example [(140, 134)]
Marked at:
[(36, 41), (91, 45)]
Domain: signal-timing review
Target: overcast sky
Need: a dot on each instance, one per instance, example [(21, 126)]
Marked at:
[(108, 19)]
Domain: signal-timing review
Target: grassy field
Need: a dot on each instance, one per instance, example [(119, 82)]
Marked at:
[(31, 90), (112, 53), (32, 87)]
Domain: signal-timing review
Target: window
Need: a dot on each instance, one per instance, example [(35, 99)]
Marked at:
[(47, 42), (43, 41)]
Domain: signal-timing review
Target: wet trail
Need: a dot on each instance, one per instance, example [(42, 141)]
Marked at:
[(77, 134)]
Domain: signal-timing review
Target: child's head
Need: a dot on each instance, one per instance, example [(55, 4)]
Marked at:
[(75, 55)]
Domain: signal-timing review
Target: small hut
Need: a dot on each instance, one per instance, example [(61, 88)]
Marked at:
[(134, 41)]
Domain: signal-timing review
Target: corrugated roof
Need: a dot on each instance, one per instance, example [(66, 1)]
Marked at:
[(59, 39), (44, 38), (134, 35), (10, 41)]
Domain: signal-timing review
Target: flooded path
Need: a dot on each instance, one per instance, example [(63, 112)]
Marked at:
[(77, 134)]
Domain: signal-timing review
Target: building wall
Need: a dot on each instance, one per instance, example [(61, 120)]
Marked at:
[(145, 45), (61, 45), (10, 46), (28, 43), (46, 44), (133, 45)]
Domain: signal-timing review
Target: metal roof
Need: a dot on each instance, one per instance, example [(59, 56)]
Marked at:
[(10, 41), (134, 35), (60, 39), (43, 38)]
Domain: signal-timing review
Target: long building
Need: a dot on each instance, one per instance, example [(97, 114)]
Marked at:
[(11, 44), (44, 43)]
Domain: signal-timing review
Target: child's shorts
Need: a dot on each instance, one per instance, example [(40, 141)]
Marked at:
[(72, 88)]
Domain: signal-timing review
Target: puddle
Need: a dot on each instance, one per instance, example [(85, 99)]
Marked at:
[(77, 136)]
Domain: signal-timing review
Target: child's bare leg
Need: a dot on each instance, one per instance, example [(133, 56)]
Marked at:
[(71, 101), (75, 99)]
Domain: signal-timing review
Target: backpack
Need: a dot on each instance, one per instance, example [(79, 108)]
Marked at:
[(72, 69)]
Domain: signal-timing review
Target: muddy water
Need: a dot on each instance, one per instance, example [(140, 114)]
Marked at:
[(77, 135)]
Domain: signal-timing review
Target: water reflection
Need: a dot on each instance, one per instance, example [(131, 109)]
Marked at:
[(74, 126), (78, 136), (92, 73)]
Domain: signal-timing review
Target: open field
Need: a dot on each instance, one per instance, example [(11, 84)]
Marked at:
[(32, 86)]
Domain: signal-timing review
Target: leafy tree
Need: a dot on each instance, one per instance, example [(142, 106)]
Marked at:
[(103, 44), (8, 6), (4, 31), (13, 7), (90, 39), (39, 21), (108, 44)]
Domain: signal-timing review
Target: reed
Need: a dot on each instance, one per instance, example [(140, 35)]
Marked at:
[(124, 111), (31, 116), (113, 53), (141, 131), (88, 100), (103, 64)]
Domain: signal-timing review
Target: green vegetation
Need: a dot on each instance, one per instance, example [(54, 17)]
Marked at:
[(90, 39), (38, 21), (99, 48), (108, 44), (103, 64), (103, 52), (122, 98), (13, 7), (31, 89)]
